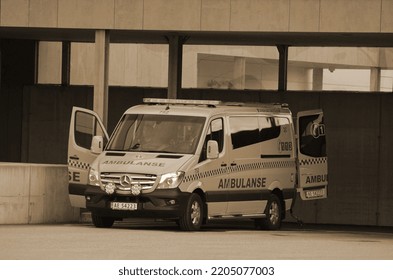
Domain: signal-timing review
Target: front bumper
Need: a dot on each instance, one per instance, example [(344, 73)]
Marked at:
[(165, 204)]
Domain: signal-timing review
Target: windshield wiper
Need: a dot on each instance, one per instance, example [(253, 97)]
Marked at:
[(135, 147)]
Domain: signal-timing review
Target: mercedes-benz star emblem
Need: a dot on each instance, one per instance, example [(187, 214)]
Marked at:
[(125, 180)]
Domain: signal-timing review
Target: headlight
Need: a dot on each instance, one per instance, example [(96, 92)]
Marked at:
[(94, 177), (170, 180)]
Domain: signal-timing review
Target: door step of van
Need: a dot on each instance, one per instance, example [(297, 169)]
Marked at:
[(240, 216)]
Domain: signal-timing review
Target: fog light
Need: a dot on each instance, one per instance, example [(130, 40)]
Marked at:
[(88, 198), (171, 202), (110, 188), (136, 189)]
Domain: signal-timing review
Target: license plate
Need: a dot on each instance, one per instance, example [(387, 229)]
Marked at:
[(124, 206), (315, 193)]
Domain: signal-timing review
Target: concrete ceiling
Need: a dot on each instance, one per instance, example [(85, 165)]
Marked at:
[(206, 38)]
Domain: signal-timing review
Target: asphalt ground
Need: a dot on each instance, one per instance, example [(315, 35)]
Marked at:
[(161, 240)]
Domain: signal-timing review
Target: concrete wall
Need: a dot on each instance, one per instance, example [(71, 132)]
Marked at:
[(32, 193), (49, 63), (204, 15)]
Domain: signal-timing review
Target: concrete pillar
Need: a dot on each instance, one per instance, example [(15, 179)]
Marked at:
[(1, 70), (100, 100), (239, 73), (282, 67), (175, 65), (317, 79), (36, 59), (375, 79), (65, 63)]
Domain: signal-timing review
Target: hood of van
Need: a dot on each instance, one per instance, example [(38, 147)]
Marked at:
[(143, 163)]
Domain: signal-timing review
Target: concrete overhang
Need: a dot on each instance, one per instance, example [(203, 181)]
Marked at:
[(300, 39)]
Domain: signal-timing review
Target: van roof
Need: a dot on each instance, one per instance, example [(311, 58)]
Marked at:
[(205, 107)]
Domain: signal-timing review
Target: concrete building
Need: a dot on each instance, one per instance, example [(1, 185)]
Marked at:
[(109, 54)]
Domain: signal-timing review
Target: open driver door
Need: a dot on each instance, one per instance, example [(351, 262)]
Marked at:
[(85, 125), (312, 158)]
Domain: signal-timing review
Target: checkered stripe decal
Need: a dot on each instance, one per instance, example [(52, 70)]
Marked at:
[(78, 164), (312, 161), (262, 165), (239, 168), (201, 175)]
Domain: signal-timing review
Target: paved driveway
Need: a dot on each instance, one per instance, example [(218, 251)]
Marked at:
[(162, 240)]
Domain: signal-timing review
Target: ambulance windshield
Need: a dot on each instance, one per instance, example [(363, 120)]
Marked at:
[(157, 133)]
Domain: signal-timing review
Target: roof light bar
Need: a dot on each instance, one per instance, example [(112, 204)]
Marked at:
[(181, 101)]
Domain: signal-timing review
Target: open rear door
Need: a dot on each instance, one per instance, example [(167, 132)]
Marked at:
[(312, 159), (83, 126)]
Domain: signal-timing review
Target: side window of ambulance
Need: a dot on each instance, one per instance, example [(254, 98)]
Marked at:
[(263, 136), (244, 131), (270, 129), (276, 130), (86, 126), (215, 132)]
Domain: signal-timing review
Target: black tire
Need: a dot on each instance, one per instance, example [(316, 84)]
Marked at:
[(273, 213), (192, 217), (102, 222)]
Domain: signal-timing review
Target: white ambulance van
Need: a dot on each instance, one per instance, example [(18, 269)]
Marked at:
[(194, 161)]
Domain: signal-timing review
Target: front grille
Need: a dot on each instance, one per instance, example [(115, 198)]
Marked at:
[(146, 181)]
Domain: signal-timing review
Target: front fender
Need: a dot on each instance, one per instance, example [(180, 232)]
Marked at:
[(275, 185), (190, 188)]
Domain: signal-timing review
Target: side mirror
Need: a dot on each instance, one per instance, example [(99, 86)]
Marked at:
[(97, 144), (212, 149)]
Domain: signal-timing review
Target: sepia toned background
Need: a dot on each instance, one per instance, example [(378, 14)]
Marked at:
[(108, 55)]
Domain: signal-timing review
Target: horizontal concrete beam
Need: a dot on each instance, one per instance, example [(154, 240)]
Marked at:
[(203, 15)]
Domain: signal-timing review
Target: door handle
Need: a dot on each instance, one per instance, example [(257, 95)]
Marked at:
[(74, 157), (233, 164), (223, 165)]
